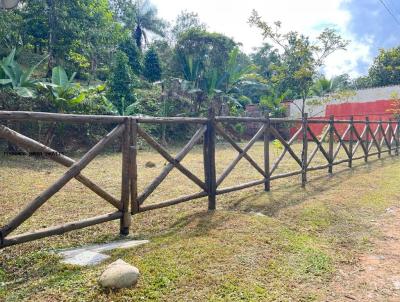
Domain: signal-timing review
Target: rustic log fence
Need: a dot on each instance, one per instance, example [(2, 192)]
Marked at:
[(364, 134)]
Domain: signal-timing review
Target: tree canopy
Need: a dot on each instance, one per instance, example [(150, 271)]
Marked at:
[(125, 58)]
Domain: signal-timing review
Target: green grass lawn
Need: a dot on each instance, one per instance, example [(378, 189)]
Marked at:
[(285, 245)]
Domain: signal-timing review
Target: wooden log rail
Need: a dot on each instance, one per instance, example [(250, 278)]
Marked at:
[(384, 136)]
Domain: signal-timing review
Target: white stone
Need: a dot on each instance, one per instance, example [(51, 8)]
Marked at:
[(119, 274)]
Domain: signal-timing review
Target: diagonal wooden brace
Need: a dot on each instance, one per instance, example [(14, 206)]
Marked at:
[(181, 155), (360, 142), (280, 158), (319, 144), (164, 153), (30, 144), (74, 170), (341, 142), (275, 133), (229, 169)]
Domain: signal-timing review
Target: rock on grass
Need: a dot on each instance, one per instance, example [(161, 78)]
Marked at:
[(119, 274)]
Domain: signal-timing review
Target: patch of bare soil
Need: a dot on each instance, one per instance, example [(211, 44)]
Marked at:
[(375, 276)]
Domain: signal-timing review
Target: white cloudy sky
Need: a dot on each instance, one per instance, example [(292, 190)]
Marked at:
[(353, 18)]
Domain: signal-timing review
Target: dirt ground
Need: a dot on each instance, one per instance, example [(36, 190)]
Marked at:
[(376, 274)]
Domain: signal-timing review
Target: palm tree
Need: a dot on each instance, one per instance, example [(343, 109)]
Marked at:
[(323, 86), (145, 20)]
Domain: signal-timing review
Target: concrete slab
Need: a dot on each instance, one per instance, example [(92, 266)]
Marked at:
[(92, 254), (86, 258)]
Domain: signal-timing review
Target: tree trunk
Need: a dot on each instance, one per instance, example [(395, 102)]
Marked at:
[(303, 107), (52, 19)]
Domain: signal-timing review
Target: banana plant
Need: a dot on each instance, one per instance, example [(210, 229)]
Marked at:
[(64, 93), (19, 78)]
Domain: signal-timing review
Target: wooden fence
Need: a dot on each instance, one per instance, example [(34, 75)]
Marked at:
[(385, 136)]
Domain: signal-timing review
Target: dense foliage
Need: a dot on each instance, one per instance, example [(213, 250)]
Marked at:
[(152, 66), (120, 57)]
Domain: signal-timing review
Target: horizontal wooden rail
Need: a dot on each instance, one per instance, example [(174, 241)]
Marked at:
[(58, 117), (173, 201), (60, 229)]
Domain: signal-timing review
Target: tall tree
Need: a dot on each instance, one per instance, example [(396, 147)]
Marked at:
[(265, 57), (121, 84), (141, 17), (301, 58), (386, 68), (205, 48), (10, 30), (152, 66), (62, 26), (128, 46), (186, 20)]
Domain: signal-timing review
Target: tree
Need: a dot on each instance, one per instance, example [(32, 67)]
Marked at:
[(121, 83), (152, 67), (265, 57), (324, 86), (186, 21), (141, 17), (60, 28), (166, 55), (128, 46), (301, 58), (326, 90), (10, 30), (218, 88), (211, 50), (362, 82), (386, 68)]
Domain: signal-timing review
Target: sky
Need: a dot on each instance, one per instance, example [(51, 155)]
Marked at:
[(366, 23)]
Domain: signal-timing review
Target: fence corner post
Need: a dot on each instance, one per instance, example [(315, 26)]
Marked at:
[(209, 160), (125, 221), (267, 137), (351, 141), (331, 142), (304, 155)]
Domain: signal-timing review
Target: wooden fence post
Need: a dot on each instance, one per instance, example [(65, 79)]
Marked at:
[(367, 127), (209, 161), (390, 136), (267, 138), (397, 138), (126, 217), (304, 155), (380, 149), (351, 141), (331, 143), (133, 167)]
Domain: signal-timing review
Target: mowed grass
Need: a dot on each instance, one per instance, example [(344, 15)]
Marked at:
[(285, 245)]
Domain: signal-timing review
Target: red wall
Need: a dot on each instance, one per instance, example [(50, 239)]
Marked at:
[(374, 110)]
